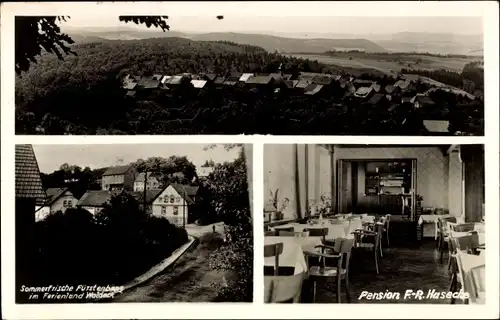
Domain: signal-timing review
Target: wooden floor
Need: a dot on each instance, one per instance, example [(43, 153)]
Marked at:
[(401, 269)]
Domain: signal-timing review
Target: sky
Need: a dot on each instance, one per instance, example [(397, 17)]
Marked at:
[(290, 17), (298, 25), (51, 157)]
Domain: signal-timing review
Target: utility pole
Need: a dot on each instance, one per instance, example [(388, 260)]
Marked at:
[(184, 209), (144, 191)]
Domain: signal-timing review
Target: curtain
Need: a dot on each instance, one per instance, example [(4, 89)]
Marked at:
[(473, 158)]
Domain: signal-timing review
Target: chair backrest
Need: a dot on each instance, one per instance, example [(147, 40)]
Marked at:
[(463, 227), (477, 274), (283, 288), (462, 242), (346, 249), (474, 240), (317, 232), (387, 221), (274, 250), (379, 229), (283, 233), (272, 233)]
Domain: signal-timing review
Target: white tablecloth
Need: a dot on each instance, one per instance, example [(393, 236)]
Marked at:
[(335, 230), (293, 251), (480, 235)]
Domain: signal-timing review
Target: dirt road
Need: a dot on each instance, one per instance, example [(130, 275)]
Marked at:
[(190, 279)]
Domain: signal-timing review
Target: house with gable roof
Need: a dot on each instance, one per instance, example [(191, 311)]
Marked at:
[(119, 178), (174, 202), (57, 199)]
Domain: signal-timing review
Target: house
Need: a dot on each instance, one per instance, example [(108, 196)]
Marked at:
[(420, 101), (363, 92), (259, 81), (303, 83), (313, 89), (324, 80), (244, 77), (437, 127), (153, 182), (234, 76), (199, 84), (359, 83), (57, 199), (28, 188), (148, 83), (119, 177), (377, 99), (404, 85), (392, 90), (94, 200), (175, 202)]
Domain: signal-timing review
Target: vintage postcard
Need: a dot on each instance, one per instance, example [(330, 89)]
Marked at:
[(218, 159)]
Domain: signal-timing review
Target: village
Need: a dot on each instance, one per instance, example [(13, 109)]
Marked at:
[(173, 201), (385, 94), (147, 223)]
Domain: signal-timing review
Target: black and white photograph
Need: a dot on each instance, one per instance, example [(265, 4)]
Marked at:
[(133, 223), (374, 223), (102, 73)]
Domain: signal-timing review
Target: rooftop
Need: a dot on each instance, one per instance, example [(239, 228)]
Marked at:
[(438, 126), (94, 198), (116, 170), (27, 175)]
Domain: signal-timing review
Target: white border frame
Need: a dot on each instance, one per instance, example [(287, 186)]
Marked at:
[(487, 9)]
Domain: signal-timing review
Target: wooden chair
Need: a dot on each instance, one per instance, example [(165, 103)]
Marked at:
[(274, 250), (293, 234), (443, 238), (271, 233), (464, 227), (458, 276), (282, 289), (375, 237), (475, 283), (340, 271), (318, 232), (386, 228)]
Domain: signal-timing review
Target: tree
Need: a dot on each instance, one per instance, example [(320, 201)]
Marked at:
[(229, 188), (174, 168), (35, 35)]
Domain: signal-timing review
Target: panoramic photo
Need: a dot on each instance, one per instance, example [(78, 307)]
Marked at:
[(374, 224), (133, 223), (106, 74)]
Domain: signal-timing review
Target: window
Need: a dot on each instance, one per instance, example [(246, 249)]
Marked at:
[(70, 203), (65, 203), (176, 210), (165, 199), (177, 199), (163, 210), (172, 199)]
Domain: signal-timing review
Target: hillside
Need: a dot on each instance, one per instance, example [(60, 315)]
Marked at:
[(281, 44), (442, 43)]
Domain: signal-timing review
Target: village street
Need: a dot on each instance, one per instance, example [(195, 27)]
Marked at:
[(190, 278)]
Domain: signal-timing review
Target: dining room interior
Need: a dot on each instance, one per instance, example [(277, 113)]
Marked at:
[(374, 223)]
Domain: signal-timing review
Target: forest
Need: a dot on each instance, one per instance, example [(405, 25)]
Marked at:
[(83, 95)]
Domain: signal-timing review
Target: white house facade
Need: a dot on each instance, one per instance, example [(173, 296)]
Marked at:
[(174, 202)]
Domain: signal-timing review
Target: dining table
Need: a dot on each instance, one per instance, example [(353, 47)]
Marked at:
[(336, 228), (293, 251)]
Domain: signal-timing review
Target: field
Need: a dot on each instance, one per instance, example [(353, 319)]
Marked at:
[(389, 64)]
